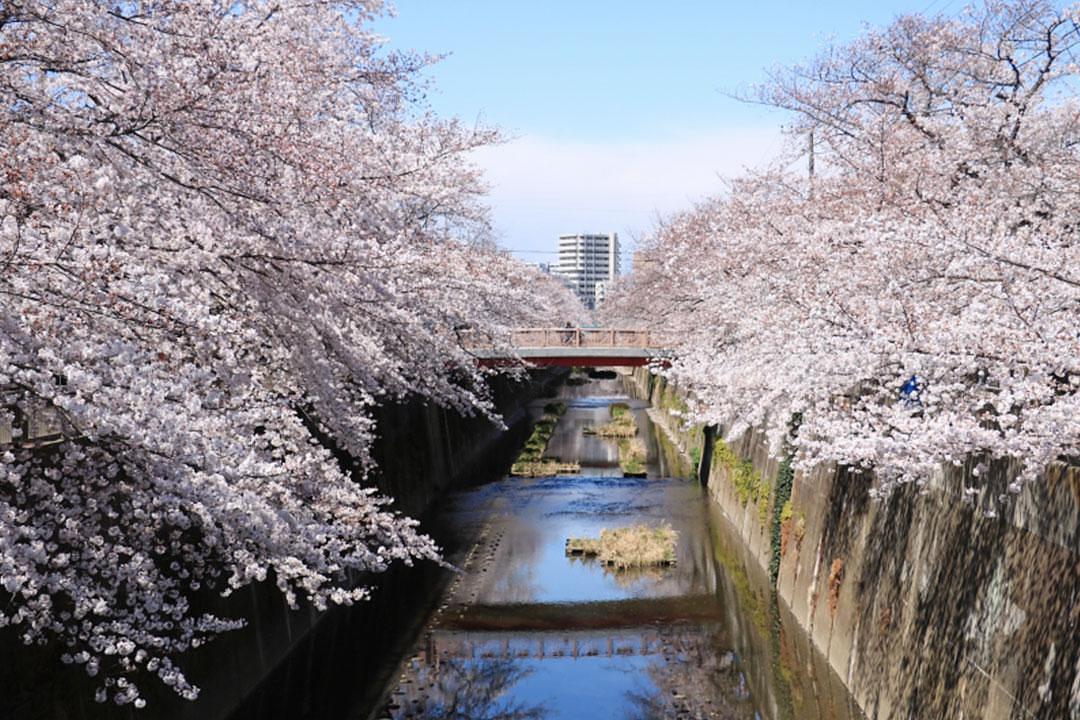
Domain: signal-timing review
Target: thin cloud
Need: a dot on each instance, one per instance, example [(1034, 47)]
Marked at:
[(541, 187)]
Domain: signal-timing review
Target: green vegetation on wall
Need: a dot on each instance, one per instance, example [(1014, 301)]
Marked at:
[(671, 400), (667, 399), (782, 513), (750, 487), (695, 456)]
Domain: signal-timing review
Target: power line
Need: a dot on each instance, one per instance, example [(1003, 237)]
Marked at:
[(941, 11)]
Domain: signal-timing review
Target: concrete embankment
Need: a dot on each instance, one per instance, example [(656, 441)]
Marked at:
[(297, 664), (922, 605)]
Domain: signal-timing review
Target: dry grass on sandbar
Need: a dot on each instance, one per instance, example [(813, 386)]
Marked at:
[(635, 546)]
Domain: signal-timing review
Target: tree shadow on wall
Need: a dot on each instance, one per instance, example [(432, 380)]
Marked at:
[(991, 603), (845, 510)]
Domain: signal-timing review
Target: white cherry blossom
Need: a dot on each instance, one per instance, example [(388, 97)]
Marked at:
[(917, 302), (227, 232)]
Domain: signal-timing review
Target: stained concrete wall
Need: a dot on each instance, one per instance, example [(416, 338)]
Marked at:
[(668, 403), (301, 664), (921, 604)]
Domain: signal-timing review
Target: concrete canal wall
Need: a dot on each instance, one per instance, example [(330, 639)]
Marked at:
[(921, 605), (302, 664)]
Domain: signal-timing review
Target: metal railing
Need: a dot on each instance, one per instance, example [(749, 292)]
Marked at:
[(584, 338), (572, 644)]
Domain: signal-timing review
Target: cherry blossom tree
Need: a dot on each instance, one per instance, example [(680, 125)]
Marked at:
[(917, 301), (227, 231)]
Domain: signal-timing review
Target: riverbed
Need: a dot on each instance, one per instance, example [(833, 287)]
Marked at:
[(525, 631)]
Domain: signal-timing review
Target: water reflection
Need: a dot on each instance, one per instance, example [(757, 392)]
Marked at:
[(556, 675), (534, 517), (516, 578), (527, 632), (467, 689), (636, 579), (666, 672), (699, 678)]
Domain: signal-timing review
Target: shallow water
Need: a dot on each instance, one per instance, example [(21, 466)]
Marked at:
[(526, 632)]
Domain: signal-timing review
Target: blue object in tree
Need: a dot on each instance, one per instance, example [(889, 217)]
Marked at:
[(910, 390)]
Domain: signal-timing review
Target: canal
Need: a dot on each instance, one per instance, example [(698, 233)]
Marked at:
[(525, 631)]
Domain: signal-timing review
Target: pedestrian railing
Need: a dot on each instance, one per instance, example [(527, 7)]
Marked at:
[(584, 338)]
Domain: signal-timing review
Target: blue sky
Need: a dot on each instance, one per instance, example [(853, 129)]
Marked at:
[(617, 113)]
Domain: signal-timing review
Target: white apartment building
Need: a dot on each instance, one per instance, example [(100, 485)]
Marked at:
[(585, 260)]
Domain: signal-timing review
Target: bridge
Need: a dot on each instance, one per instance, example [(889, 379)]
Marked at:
[(579, 347)]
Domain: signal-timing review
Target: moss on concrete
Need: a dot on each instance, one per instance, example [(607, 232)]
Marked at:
[(750, 486), (782, 512)]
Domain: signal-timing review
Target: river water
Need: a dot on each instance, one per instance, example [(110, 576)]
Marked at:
[(523, 631)]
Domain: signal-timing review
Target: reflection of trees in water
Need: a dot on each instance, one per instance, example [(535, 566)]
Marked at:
[(467, 689), (697, 678), (638, 576), (640, 579), (515, 580)]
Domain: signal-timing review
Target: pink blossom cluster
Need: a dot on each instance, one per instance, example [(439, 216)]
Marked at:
[(227, 231), (915, 298)]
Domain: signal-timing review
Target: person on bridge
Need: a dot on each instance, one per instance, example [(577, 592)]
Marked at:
[(568, 334)]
